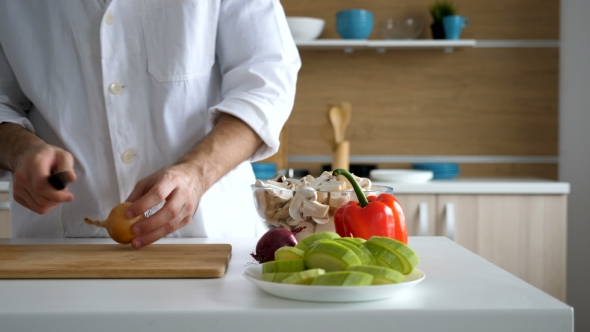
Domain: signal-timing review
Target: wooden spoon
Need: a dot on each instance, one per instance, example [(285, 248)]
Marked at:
[(335, 116)]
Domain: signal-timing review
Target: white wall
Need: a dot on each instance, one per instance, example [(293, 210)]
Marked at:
[(574, 150)]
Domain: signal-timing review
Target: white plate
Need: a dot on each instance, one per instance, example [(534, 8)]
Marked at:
[(331, 293), (401, 175)]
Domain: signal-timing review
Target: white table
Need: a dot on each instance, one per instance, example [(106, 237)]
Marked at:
[(461, 292)]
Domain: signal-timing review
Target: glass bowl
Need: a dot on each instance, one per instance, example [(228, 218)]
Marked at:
[(401, 28), (315, 215)]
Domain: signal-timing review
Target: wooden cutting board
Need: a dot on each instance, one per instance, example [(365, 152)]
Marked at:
[(97, 261)]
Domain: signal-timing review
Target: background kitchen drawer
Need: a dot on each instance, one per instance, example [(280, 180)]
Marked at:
[(4, 215), (523, 234)]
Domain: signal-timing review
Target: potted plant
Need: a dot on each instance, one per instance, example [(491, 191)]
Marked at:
[(438, 10)]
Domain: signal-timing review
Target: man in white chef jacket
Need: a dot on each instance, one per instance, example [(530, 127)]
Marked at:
[(143, 101)]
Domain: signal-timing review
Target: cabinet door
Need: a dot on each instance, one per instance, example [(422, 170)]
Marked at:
[(523, 234), (4, 215), (419, 211)]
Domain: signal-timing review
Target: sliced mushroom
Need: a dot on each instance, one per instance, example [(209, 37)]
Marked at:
[(309, 178), (364, 183), (325, 219), (326, 176), (292, 222), (308, 228), (276, 200), (275, 189), (304, 205), (338, 199), (277, 184), (282, 212), (292, 182), (315, 210), (332, 185), (322, 196), (279, 178), (302, 195)]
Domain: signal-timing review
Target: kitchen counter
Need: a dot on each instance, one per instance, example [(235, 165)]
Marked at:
[(461, 292), (481, 186), (465, 186)]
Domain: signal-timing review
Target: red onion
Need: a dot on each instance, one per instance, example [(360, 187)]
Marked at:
[(272, 240)]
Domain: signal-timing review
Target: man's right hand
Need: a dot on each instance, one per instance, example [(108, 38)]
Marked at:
[(32, 161)]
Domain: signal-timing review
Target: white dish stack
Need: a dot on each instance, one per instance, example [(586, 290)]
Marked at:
[(401, 175)]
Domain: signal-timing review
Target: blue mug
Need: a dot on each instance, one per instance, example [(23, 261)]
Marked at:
[(453, 26), (354, 23)]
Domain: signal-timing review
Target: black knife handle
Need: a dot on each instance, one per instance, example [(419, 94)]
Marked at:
[(58, 180)]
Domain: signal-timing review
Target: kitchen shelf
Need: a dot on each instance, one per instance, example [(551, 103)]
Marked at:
[(381, 45), (348, 46)]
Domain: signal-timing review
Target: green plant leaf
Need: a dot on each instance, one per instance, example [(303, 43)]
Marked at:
[(442, 8)]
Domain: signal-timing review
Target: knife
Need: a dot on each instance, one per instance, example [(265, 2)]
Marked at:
[(58, 180)]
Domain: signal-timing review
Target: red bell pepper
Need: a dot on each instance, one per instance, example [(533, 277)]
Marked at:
[(401, 231), (375, 216), (339, 219)]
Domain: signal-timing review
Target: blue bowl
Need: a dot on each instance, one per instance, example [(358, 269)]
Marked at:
[(439, 170), (264, 167), (354, 23)]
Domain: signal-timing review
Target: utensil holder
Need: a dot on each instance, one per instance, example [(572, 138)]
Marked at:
[(340, 156)]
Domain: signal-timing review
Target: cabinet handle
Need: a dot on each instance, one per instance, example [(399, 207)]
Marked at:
[(423, 216), (4, 205), (450, 219)]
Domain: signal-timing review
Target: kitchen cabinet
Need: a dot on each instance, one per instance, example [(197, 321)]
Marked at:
[(525, 234), (4, 215)]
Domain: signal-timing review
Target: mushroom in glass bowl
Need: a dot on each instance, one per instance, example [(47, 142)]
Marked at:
[(307, 203)]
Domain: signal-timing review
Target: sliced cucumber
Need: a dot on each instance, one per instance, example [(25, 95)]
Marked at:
[(343, 278)]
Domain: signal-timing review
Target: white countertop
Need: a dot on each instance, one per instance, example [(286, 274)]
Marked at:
[(481, 186), (461, 292)]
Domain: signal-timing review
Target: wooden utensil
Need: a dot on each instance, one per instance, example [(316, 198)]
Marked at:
[(336, 120), (113, 261), (341, 156)]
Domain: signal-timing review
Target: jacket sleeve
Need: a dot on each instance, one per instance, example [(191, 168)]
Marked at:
[(13, 103), (259, 63)]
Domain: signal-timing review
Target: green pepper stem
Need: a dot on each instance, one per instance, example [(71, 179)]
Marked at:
[(355, 185)]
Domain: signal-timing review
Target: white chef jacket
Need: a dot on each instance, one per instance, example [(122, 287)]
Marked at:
[(128, 86)]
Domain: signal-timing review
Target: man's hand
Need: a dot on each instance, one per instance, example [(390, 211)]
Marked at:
[(31, 187), (32, 161), (181, 185)]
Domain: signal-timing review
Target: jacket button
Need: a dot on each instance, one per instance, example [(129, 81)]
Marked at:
[(128, 157), (115, 88), (109, 18)]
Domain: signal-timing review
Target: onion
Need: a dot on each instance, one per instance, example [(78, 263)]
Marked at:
[(117, 224), (272, 240)]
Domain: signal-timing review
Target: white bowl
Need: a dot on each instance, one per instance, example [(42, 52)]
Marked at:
[(401, 175), (305, 28)]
